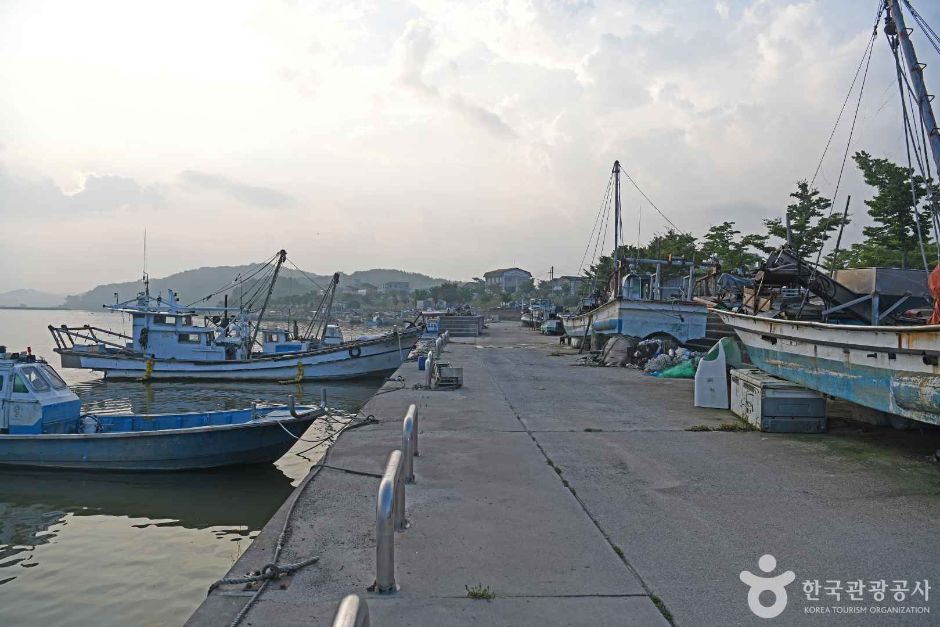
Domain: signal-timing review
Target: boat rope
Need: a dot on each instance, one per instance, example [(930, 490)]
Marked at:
[(652, 204), (305, 275), (239, 279), (273, 568), (929, 32), (350, 471), (908, 136), (848, 95), (269, 572), (845, 155), (920, 149), (597, 219)]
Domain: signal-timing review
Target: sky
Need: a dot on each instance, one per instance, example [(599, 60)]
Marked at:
[(447, 138)]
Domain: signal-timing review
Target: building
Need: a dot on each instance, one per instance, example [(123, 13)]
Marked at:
[(506, 279), (401, 287), (365, 289), (565, 285)]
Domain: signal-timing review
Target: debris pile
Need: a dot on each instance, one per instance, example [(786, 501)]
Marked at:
[(661, 357)]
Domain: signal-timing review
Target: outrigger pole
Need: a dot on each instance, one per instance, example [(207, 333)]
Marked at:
[(616, 290), (281, 257), (916, 70)]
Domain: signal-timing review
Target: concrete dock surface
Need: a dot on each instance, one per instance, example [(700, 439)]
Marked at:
[(579, 496)]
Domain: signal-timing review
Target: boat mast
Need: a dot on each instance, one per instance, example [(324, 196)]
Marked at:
[(916, 70), (616, 290), (281, 256), (329, 305)]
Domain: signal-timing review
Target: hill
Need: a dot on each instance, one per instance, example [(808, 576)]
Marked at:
[(192, 285), (30, 298)]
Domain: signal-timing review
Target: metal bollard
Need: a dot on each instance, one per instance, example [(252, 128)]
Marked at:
[(408, 447), (323, 398), (428, 369), (413, 412), (352, 612), (386, 522)]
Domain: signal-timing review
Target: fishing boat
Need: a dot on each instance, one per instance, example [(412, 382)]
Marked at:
[(869, 359), (167, 341), (638, 305), (42, 425)]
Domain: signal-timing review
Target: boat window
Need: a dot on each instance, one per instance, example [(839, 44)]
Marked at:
[(2, 382), (188, 338), (36, 382), (272, 337), (19, 385), (163, 319), (188, 321), (54, 378)]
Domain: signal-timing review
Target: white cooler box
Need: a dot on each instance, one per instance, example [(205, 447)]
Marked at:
[(775, 405)]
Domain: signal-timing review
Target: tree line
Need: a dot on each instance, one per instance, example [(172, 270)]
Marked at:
[(899, 208)]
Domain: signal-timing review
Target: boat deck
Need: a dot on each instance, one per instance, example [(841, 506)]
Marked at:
[(580, 496)]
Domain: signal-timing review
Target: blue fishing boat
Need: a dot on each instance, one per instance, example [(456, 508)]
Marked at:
[(42, 425)]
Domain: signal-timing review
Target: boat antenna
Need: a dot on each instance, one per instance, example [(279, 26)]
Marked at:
[(617, 227), (281, 256), (146, 278)]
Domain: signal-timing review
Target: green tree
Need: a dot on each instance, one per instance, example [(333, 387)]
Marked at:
[(721, 242), (895, 211), (810, 224)]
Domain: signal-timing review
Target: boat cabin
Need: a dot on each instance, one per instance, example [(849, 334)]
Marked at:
[(33, 397)]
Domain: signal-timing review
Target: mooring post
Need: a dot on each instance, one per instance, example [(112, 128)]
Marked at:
[(428, 368), (413, 412), (408, 447), (386, 523), (323, 398), (352, 612)]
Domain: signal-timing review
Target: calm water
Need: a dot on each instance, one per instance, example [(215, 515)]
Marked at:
[(135, 549)]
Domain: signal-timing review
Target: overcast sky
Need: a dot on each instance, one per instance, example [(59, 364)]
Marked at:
[(446, 138)]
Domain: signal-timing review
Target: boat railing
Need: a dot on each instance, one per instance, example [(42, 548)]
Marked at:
[(65, 336), (352, 612)]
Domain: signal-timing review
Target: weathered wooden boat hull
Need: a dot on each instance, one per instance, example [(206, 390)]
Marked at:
[(891, 369), (641, 318), (255, 442), (344, 361)]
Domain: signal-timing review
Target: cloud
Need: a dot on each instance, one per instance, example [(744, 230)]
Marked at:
[(97, 193), (413, 50), (248, 194)]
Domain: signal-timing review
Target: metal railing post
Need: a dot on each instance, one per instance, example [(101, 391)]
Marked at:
[(408, 447), (323, 398), (386, 522), (413, 412), (428, 368), (352, 612)]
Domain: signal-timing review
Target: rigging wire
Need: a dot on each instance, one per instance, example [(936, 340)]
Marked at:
[(236, 281), (845, 155), (307, 276), (597, 218), (652, 204), (908, 135), (848, 94), (929, 32)]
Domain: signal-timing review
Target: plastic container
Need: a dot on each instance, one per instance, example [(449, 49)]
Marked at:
[(421, 362)]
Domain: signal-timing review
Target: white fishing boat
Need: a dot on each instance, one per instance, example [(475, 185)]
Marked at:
[(167, 342), (889, 368), (638, 305), (893, 369)]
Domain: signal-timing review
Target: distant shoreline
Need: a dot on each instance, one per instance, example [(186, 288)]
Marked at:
[(31, 308)]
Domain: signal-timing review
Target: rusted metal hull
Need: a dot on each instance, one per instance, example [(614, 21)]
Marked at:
[(891, 369)]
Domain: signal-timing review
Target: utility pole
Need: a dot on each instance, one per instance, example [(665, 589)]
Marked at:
[(616, 290)]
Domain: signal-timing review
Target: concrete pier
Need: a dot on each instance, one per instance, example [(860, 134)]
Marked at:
[(580, 496)]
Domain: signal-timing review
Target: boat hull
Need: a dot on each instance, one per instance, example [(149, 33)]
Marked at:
[(639, 318), (344, 361), (890, 369), (255, 442)]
